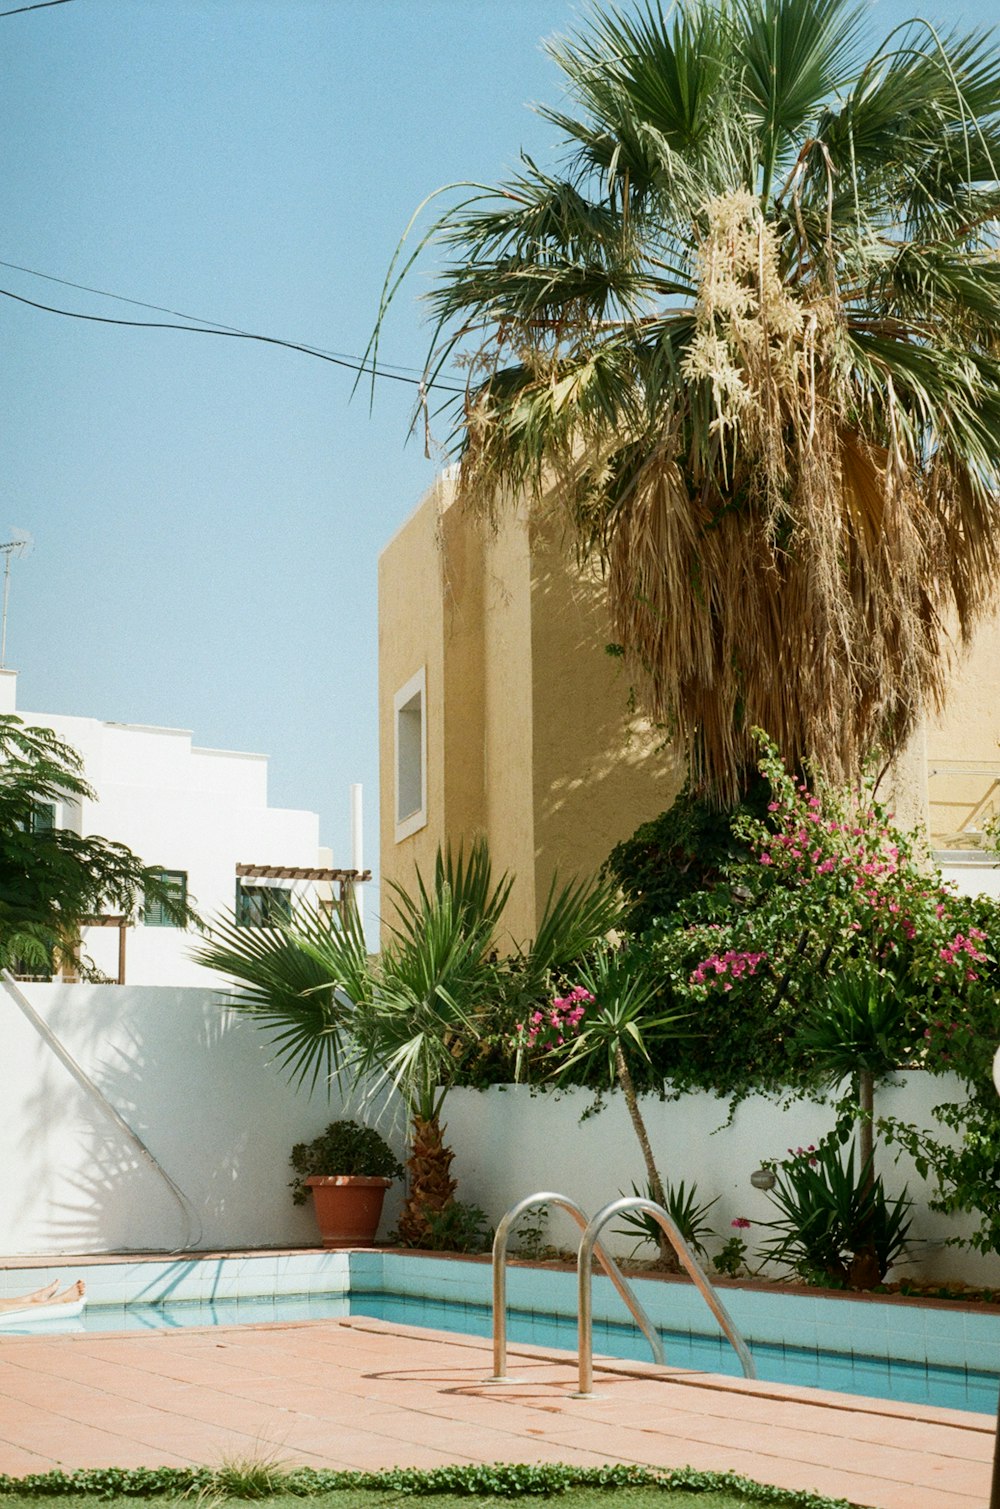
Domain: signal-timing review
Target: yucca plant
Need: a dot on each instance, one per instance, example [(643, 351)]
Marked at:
[(834, 1222), (862, 1028), (682, 1206), (746, 336)]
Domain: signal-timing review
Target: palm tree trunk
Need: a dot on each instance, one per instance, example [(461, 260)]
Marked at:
[(866, 1130), (667, 1254), (864, 1271), (430, 1187)]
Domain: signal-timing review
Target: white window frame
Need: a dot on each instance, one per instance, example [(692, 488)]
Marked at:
[(410, 745)]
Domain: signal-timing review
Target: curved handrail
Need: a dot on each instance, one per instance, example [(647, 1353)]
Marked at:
[(690, 1262), (547, 1197)]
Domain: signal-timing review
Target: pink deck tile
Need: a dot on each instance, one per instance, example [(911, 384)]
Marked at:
[(369, 1395)]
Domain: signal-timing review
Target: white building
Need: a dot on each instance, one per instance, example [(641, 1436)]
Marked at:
[(199, 815)]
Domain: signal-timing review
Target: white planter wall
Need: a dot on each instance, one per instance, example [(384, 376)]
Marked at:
[(197, 1085), (509, 1143)]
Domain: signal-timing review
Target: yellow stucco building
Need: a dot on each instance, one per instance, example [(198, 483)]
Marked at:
[(501, 713)]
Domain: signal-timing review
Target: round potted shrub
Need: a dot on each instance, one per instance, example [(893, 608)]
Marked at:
[(348, 1168)]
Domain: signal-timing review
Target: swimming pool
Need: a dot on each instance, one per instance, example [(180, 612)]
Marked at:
[(913, 1354)]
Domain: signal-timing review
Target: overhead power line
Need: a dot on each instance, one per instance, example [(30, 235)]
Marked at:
[(210, 327), (38, 5), (197, 319)]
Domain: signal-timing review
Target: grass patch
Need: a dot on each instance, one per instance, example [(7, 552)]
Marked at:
[(650, 1497), (270, 1485)]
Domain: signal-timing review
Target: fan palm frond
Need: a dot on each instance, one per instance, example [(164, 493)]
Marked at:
[(300, 982)]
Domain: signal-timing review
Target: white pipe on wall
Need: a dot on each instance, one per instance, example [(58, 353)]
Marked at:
[(357, 843)]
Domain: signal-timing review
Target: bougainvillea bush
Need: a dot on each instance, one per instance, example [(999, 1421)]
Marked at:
[(828, 884), (828, 888), (826, 952)]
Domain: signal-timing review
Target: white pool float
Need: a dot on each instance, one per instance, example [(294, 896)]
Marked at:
[(28, 1314)]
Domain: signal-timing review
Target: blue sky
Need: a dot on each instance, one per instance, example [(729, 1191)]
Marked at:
[(207, 513)]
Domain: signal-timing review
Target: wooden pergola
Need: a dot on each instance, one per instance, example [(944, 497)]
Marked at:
[(344, 880)]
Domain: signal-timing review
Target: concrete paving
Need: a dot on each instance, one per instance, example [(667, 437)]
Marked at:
[(361, 1393)]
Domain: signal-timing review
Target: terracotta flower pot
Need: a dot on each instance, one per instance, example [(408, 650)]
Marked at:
[(348, 1208)]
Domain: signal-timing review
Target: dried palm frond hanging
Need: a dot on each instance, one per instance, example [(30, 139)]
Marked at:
[(777, 574)]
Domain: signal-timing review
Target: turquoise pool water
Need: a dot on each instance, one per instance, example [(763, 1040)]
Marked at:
[(851, 1373)]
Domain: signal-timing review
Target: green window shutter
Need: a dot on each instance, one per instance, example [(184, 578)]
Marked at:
[(155, 913)]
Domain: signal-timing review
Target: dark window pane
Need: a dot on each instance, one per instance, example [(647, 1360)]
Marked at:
[(43, 817), (262, 905)]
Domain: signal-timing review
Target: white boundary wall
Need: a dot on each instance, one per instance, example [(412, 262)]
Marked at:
[(510, 1142), (194, 1081), (199, 1086)]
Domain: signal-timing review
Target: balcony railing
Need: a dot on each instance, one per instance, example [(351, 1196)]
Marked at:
[(963, 796)]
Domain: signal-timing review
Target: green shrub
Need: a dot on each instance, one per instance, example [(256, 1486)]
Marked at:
[(456, 1227), (345, 1147), (686, 849), (835, 1225)]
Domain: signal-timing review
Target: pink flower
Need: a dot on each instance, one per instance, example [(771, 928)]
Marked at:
[(741, 1223)]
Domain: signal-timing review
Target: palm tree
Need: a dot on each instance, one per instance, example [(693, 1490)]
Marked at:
[(417, 1016), (748, 338), (617, 1032)]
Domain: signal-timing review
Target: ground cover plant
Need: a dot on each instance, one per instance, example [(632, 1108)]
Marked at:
[(274, 1486)]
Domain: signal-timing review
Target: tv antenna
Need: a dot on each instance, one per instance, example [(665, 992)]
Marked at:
[(18, 544)]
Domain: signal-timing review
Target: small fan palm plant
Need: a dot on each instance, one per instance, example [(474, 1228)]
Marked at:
[(616, 1033), (430, 1004), (414, 1018)]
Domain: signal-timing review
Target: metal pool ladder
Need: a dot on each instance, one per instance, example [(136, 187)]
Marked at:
[(590, 1246)]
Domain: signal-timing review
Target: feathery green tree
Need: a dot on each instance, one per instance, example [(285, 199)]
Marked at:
[(52, 880)]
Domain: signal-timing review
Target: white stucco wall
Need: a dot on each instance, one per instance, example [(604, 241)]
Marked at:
[(509, 1143), (202, 811), (198, 1085), (194, 1081), (971, 873)]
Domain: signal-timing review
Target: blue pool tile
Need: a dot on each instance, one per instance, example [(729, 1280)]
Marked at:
[(983, 1330), (946, 1349), (947, 1323), (978, 1353), (367, 1266)]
